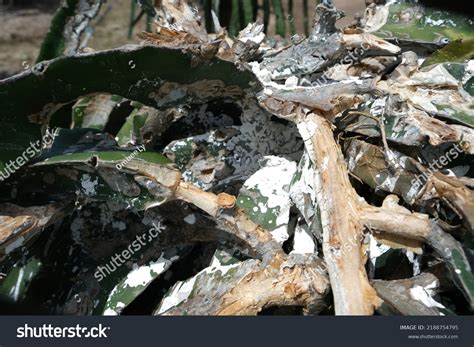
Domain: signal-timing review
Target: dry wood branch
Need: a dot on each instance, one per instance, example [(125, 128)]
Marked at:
[(418, 227), (18, 224), (231, 219), (253, 286), (340, 218), (279, 284), (371, 42), (460, 197), (344, 215), (208, 202), (412, 296), (276, 280), (411, 226)]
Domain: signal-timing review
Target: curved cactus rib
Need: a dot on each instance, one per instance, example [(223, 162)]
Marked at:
[(70, 21), (158, 77), (53, 44), (148, 7)]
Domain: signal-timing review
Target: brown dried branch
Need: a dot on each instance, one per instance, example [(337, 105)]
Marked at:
[(254, 286), (340, 216), (19, 224), (412, 296)]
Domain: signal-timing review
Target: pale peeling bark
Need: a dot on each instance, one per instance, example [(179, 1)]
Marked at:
[(396, 220), (251, 286), (20, 224), (274, 279), (282, 283)]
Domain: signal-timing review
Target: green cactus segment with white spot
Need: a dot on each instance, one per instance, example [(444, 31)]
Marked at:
[(256, 208), (94, 111), (134, 283), (15, 284), (463, 275), (130, 132), (265, 196), (223, 272), (412, 22)]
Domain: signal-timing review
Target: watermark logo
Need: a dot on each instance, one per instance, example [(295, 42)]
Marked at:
[(49, 331), (437, 165), (130, 157), (32, 151), (118, 259)]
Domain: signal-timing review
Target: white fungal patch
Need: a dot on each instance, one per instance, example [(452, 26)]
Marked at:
[(216, 266), (291, 82), (118, 307), (272, 182), (303, 241), (376, 250), (413, 259), (262, 207), (179, 293), (141, 276), (425, 295), (88, 185), (268, 91), (182, 290), (190, 218), (439, 22)]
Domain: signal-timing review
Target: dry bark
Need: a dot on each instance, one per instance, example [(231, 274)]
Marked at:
[(340, 218), (400, 295), (253, 286), (19, 224)]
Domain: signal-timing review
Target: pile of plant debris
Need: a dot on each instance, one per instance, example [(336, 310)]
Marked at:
[(202, 174)]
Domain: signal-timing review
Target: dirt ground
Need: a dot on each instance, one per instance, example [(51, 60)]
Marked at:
[(22, 30)]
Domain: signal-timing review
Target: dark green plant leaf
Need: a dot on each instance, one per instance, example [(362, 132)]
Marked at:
[(456, 51), (413, 22), (153, 76), (265, 198)]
